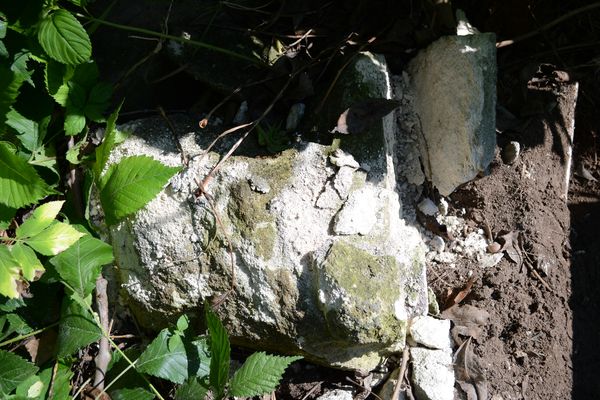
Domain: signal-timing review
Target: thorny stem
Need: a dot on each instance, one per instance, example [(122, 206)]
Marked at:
[(174, 38)]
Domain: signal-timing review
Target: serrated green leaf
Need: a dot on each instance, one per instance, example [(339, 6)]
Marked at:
[(13, 371), (131, 184), (80, 264), (40, 219), (74, 123), (27, 261), (20, 184), (54, 239), (220, 351), (10, 85), (18, 324), (6, 216), (191, 390), (56, 76), (98, 101), (259, 375), (131, 394), (58, 374), (28, 130), (168, 357), (103, 151), (9, 273), (74, 152), (77, 328), (31, 388), (64, 39), (183, 323)]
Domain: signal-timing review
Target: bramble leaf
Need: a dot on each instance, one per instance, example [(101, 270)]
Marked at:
[(77, 328), (64, 39), (131, 184), (9, 273), (98, 101), (191, 390), (219, 352), (39, 220), (167, 357), (29, 131), (13, 371), (54, 239), (27, 260), (20, 184), (259, 375), (81, 263)]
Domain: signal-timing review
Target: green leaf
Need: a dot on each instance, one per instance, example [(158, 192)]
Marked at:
[(80, 264), (259, 375), (74, 152), (220, 351), (6, 216), (59, 375), (28, 130), (40, 219), (167, 357), (131, 394), (27, 260), (54, 239), (103, 151), (31, 388), (98, 101), (10, 84), (20, 184), (74, 123), (191, 390), (77, 328), (13, 371), (56, 77), (131, 184), (9, 273), (64, 39), (183, 323)]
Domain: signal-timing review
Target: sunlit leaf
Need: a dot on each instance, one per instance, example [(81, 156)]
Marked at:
[(80, 264), (220, 350), (259, 375), (64, 39), (9, 273), (103, 151), (20, 184), (39, 220), (27, 260), (131, 184), (54, 239)]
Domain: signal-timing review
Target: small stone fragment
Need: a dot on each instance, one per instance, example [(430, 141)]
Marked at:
[(437, 244), (341, 159), (294, 116), (431, 332), (494, 247), (358, 215), (489, 260), (259, 184), (428, 207), (583, 172), (433, 374), (443, 206), (511, 152), (337, 394), (343, 181)]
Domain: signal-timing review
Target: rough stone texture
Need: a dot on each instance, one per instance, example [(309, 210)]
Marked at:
[(433, 374), (341, 299), (455, 98), (431, 332), (337, 394)]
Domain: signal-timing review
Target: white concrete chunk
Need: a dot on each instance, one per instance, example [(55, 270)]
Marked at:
[(431, 332), (433, 374)]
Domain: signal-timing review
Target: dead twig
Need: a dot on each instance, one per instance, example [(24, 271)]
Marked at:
[(103, 357), (549, 25), (398, 387), (184, 158)]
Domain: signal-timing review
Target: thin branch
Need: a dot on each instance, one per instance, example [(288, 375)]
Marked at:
[(103, 357), (549, 25)]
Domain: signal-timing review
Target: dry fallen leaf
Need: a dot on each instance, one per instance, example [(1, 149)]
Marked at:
[(469, 373), (468, 320)]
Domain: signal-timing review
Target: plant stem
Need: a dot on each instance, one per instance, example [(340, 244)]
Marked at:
[(174, 38), (21, 337)]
